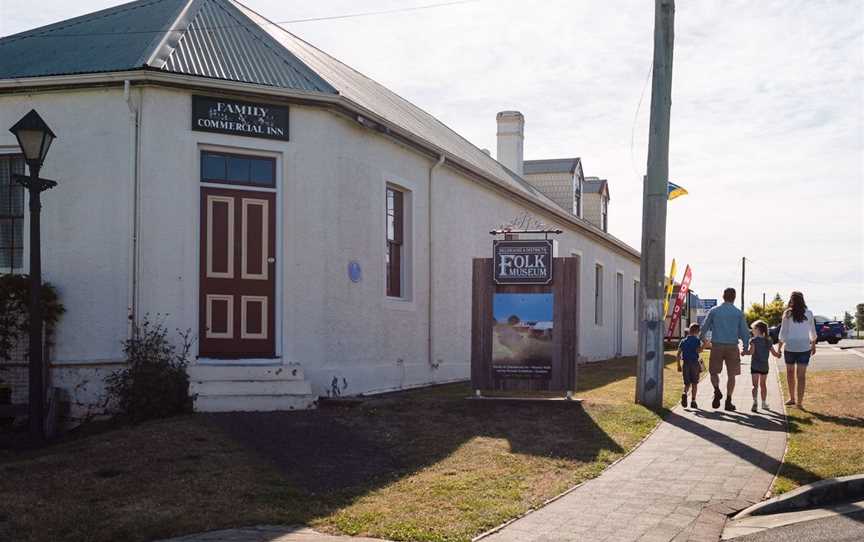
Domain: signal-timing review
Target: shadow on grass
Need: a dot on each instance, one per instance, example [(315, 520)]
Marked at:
[(353, 450)]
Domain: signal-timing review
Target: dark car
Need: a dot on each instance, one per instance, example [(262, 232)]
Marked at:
[(830, 331)]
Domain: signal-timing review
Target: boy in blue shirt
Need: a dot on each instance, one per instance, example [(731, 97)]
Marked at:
[(688, 350)]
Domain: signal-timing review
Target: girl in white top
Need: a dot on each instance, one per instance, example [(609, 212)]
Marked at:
[(798, 336)]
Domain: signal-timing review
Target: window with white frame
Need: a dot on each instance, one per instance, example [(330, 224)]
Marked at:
[(598, 295), (636, 305), (394, 256), (11, 215)]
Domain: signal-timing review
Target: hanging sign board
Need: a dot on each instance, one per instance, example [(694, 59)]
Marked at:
[(234, 117), (522, 262)]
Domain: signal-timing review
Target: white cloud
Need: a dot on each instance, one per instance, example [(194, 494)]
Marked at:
[(767, 113)]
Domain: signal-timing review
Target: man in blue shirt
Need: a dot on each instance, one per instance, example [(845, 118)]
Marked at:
[(727, 326)]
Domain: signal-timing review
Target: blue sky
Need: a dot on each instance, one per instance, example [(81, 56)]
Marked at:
[(767, 127), (530, 307)]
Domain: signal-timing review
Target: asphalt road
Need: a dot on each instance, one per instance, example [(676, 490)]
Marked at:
[(844, 355), (833, 529)]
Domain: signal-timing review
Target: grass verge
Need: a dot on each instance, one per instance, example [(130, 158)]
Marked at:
[(825, 441), (421, 465)]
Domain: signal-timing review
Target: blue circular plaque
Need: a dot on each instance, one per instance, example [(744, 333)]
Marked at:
[(355, 272)]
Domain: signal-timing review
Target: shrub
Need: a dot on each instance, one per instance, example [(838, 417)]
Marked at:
[(15, 311), (154, 384)]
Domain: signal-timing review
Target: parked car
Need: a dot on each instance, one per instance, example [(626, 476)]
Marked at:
[(830, 331)]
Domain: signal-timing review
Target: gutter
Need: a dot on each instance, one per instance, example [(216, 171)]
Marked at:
[(337, 103), (430, 258)]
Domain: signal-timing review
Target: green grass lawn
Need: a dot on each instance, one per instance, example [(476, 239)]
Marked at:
[(827, 439), (420, 465)]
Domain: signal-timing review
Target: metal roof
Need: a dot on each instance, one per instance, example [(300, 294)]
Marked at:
[(209, 38), (113, 39), (553, 165)]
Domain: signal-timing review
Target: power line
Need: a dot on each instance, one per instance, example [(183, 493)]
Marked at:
[(59, 34), (636, 117), (790, 277)]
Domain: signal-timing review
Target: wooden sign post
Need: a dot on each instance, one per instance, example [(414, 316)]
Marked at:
[(525, 320)]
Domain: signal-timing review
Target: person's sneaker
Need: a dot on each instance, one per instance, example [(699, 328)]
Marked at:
[(684, 399), (729, 406), (754, 408), (765, 405), (693, 404), (717, 396)]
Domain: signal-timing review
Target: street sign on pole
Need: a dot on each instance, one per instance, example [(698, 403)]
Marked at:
[(708, 304)]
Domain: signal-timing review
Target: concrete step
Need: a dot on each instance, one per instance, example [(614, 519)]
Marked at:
[(250, 387), (252, 403), (206, 372)]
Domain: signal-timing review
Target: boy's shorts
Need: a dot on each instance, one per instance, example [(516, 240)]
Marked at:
[(690, 371), (727, 353)]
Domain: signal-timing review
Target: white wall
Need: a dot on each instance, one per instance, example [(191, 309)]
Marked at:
[(331, 195)]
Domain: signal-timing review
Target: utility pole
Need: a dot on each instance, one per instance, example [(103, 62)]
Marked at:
[(743, 272), (649, 374), (763, 302)]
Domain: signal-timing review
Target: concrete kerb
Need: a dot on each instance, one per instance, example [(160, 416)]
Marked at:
[(567, 491), (817, 494), (786, 425)]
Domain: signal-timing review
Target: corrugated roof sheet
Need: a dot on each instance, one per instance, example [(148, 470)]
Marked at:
[(222, 43), (113, 39), (552, 165)]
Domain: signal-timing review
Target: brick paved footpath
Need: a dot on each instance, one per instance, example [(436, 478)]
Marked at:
[(680, 484)]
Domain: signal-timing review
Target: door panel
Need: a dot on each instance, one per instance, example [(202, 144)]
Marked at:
[(237, 282)]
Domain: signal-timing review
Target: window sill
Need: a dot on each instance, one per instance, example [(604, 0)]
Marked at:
[(399, 304)]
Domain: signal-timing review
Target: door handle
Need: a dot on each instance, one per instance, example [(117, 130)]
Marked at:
[(271, 259)]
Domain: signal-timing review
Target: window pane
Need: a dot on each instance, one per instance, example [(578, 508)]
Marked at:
[(213, 167), (263, 171), (238, 169)]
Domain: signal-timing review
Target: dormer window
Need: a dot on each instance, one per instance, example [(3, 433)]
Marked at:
[(604, 213), (577, 196)]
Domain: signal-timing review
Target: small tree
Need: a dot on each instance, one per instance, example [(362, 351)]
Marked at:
[(771, 313), (847, 320), (859, 317)]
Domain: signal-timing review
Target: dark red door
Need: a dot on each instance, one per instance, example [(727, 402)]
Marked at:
[(237, 276)]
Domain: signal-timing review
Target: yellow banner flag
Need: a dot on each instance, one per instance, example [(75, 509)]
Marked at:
[(670, 284)]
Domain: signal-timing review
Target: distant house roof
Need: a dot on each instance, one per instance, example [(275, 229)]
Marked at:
[(225, 40), (553, 165), (595, 185)]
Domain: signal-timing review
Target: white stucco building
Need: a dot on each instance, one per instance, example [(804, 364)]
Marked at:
[(314, 229)]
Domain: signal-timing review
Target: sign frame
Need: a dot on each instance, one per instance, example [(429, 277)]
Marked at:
[(243, 118), (546, 250)]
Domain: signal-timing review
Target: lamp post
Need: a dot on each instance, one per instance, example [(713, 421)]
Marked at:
[(35, 138)]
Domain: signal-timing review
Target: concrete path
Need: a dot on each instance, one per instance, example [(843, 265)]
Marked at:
[(268, 533), (680, 484)]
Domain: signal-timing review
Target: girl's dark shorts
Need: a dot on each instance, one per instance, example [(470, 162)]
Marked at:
[(792, 358)]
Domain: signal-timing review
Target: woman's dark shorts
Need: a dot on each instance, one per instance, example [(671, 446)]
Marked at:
[(792, 358), (691, 372), (754, 372)]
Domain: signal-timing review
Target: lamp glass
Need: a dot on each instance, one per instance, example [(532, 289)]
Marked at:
[(31, 142)]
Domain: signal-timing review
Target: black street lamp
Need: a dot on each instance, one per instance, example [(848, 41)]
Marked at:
[(35, 138)]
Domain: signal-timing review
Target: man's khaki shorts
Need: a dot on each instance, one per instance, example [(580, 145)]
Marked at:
[(728, 353)]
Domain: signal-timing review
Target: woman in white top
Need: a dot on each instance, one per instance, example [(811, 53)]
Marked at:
[(798, 337)]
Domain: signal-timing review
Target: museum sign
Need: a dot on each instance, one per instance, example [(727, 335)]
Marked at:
[(522, 262)]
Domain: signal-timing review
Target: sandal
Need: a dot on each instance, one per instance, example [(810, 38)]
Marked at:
[(790, 402)]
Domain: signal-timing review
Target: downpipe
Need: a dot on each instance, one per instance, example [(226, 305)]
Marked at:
[(134, 128), (430, 350)]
